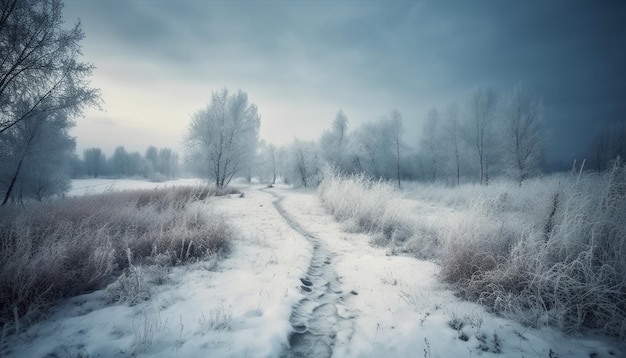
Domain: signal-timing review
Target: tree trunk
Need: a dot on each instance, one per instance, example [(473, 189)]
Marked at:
[(273, 168), (398, 160), (13, 180)]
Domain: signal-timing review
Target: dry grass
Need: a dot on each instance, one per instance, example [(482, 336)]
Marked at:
[(565, 267), (75, 245), (370, 206), (551, 252)]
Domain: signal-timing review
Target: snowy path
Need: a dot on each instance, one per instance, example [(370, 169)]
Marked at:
[(403, 310), (315, 319), (361, 303)]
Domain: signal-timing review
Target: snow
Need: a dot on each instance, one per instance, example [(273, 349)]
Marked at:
[(403, 310), (101, 185), (391, 306)]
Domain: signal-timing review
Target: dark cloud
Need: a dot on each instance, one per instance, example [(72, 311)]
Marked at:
[(370, 56)]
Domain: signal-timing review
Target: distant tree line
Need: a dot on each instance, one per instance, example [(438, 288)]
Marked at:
[(485, 136), (156, 164), (608, 144)]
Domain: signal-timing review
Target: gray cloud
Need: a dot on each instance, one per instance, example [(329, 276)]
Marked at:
[(368, 57)]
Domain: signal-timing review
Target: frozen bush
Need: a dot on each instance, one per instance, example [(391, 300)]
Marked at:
[(549, 252), (375, 207), (75, 245), (561, 262)]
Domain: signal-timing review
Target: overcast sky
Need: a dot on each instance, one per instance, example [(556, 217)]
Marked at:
[(302, 61)]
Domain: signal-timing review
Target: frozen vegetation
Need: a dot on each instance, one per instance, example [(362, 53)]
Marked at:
[(450, 243), (292, 280), (549, 252), (67, 247)]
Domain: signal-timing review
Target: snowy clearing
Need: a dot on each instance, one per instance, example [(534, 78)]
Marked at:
[(101, 185), (381, 305)]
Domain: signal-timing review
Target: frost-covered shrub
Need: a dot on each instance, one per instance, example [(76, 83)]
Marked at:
[(74, 245), (562, 262), (375, 207), (551, 251), (130, 288)]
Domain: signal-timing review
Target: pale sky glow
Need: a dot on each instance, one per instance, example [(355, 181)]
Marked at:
[(300, 62)]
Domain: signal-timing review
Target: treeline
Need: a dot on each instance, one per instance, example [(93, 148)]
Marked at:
[(607, 145), (155, 164), (486, 135)]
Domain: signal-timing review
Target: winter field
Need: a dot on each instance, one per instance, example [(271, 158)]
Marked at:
[(353, 269)]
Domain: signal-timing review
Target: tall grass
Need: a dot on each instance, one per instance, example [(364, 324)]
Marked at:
[(367, 204), (370, 206), (552, 251), (75, 245)]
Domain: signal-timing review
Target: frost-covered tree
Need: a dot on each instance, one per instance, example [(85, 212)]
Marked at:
[(451, 128), (431, 143), (152, 157), (265, 166), (167, 162), (34, 157), (120, 162), (281, 159), (481, 113), (224, 135), (39, 63), (608, 144), (42, 87), (304, 166), (137, 165), (395, 124), (95, 161), (372, 149), (522, 119), (159, 163), (271, 150), (334, 143)]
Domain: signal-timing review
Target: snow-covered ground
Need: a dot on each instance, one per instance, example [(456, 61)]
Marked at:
[(381, 305), (100, 185)]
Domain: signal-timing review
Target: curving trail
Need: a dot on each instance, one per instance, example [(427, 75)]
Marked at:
[(315, 318)]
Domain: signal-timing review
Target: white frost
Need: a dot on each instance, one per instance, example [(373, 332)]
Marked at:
[(399, 307)]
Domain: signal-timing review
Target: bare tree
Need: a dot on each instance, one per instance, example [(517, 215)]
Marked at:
[(152, 157), (431, 140), (452, 128), (396, 132), (333, 143), (33, 157), (120, 162), (39, 63), (167, 162), (522, 114), (94, 161), (372, 149), (42, 87), (303, 163), (609, 144), (302, 166), (264, 163), (272, 154), (481, 110), (224, 135)]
